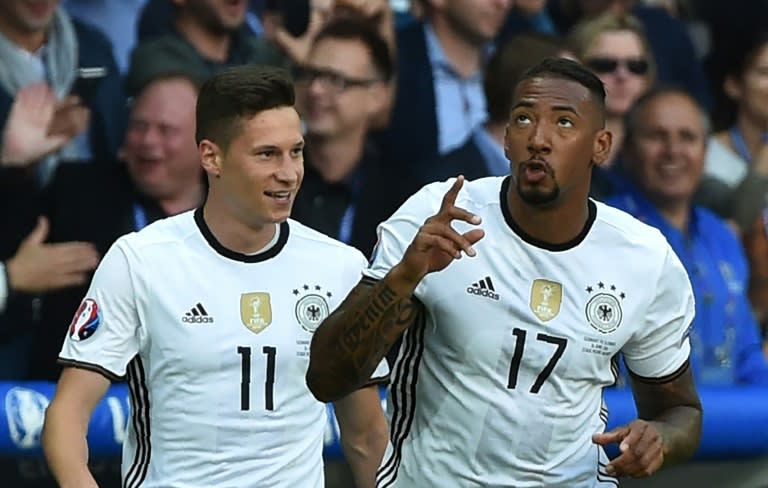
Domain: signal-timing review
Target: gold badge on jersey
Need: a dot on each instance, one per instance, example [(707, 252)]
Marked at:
[(255, 311), (546, 297)]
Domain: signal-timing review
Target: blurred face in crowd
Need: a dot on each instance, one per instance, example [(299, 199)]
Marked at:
[(666, 152), (27, 15), (339, 89), (619, 59), (751, 91), (476, 21), (159, 148), (219, 16)]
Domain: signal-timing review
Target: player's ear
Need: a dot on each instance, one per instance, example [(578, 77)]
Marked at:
[(601, 146), (210, 157)]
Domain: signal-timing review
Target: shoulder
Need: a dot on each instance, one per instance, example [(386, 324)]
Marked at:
[(306, 239), (621, 228), (90, 36), (261, 51), (714, 228), (170, 231)]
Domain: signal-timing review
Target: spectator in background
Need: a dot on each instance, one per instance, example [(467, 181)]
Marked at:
[(115, 19), (440, 101), (737, 155), (664, 152), (670, 42), (340, 87), (39, 42), (159, 175), (736, 168), (212, 32), (616, 49), (483, 153)]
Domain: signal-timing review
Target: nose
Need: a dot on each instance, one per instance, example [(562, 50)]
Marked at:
[(288, 172), (538, 139)]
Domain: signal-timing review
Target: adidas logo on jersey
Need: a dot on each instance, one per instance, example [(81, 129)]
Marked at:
[(483, 288), (197, 315)]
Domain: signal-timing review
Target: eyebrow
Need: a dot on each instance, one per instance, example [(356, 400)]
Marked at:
[(556, 108)]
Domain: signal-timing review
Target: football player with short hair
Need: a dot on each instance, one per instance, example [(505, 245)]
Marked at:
[(506, 351), (209, 315)]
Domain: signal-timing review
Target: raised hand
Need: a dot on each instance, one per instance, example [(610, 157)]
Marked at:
[(39, 267), (641, 446), (297, 47), (437, 243), (26, 137)]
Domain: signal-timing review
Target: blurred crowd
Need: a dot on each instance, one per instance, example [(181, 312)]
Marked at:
[(97, 107)]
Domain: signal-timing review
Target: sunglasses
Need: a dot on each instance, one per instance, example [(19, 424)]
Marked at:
[(637, 66)]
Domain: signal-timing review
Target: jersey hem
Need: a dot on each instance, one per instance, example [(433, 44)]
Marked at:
[(72, 363), (662, 379)]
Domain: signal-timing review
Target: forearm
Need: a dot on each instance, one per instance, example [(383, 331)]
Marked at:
[(680, 427), (354, 339), (364, 456), (66, 449)]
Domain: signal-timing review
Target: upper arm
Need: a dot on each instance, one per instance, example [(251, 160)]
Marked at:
[(654, 397), (77, 394), (360, 412)]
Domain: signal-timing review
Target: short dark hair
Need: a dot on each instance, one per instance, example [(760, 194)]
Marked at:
[(509, 62), (239, 93), (567, 69), (353, 28), (632, 118)]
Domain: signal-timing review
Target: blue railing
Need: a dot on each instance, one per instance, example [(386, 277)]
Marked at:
[(735, 421)]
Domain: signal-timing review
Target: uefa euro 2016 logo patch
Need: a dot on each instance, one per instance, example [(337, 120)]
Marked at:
[(86, 320)]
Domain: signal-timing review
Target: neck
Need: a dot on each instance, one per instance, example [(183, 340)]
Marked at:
[(465, 57), (677, 214), (554, 225), (752, 132), (29, 41), (616, 126), (232, 231), (497, 131), (212, 46), (187, 200), (335, 158)]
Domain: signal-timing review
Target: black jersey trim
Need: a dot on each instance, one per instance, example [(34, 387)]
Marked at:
[(592, 215), (237, 256), (663, 379), (403, 395), (72, 363), (139, 394)]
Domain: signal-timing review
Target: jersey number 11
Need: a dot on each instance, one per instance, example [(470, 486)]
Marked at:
[(245, 377)]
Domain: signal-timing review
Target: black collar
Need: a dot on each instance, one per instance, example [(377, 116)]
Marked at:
[(536, 242), (237, 256)]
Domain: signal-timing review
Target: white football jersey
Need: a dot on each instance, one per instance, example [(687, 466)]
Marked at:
[(501, 385), (215, 347)]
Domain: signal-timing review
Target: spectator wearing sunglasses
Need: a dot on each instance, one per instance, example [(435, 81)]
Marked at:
[(615, 48)]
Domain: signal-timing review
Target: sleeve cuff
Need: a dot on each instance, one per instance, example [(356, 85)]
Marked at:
[(4, 286)]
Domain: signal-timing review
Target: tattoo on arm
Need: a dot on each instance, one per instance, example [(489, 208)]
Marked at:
[(354, 339), (675, 409)]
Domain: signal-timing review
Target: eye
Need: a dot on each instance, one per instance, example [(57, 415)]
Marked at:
[(522, 119), (265, 154), (297, 152), (565, 122)]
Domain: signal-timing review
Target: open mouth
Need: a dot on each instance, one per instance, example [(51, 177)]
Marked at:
[(279, 196)]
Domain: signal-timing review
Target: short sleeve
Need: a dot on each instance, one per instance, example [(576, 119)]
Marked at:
[(660, 349), (396, 233), (103, 335)]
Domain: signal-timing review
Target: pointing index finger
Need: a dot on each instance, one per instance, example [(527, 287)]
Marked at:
[(449, 200)]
